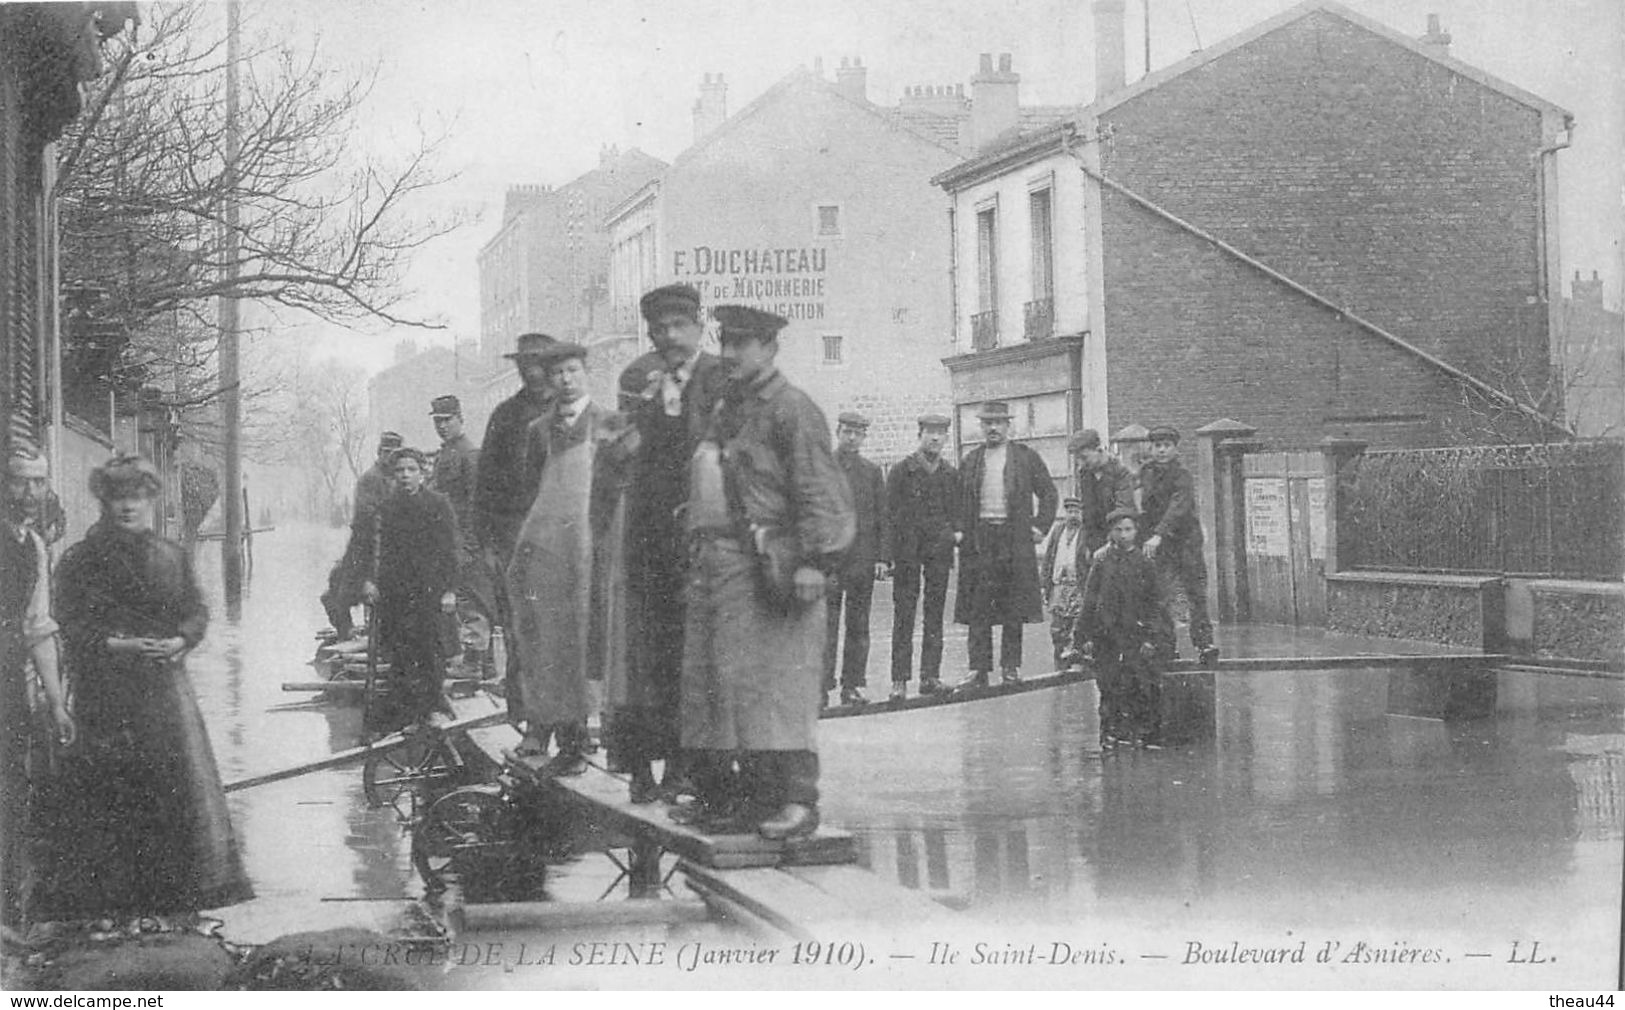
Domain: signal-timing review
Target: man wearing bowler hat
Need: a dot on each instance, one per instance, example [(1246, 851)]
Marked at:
[(922, 494), (853, 588), (769, 516), (669, 393), (1007, 502), (503, 489), (455, 471)]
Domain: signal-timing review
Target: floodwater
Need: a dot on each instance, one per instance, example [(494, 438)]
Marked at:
[(1311, 815)]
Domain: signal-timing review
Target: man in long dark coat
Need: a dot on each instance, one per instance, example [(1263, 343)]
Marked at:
[(922, 499), (852, 590), (503, 487), (1007, 502), (409, 555), (678, 385)]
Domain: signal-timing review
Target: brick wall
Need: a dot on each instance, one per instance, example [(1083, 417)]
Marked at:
[(1362, 170)]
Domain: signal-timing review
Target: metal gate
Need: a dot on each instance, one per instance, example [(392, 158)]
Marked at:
[(1285, 506)]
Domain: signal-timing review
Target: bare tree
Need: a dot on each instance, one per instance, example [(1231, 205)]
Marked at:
[(323, 415), (144, 185)]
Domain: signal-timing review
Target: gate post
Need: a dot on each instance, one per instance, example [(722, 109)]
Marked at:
[(1339, 454), (1218, 475)]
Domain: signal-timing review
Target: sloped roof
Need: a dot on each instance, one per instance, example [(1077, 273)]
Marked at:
[(1299, 12), (804, 78)]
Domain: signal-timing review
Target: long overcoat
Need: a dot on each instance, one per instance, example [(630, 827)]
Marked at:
[(646, 699), (1030, 502), (752, 674)]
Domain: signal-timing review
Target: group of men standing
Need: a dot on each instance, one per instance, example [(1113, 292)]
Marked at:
[(699, 548)]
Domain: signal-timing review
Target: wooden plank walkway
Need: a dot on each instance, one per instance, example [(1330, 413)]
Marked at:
[(603, 800), (796, 889), (1179, 667)]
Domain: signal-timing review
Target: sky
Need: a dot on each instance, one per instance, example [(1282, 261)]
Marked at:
[(528, 92)]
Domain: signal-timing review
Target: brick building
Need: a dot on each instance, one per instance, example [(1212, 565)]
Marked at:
[(1319, 226), (545, 269)]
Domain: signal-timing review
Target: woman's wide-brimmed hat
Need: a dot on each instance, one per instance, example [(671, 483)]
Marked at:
[(123, 474)]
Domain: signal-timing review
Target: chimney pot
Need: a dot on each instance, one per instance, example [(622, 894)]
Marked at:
[(1004, 63), (986, 64)]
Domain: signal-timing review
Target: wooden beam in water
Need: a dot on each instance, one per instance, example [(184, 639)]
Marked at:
[(471, 712)]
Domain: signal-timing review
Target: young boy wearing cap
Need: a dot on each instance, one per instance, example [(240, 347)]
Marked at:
[(407, 555), (1168, 499), (852, 589), (1118, 627), (1062, 567)]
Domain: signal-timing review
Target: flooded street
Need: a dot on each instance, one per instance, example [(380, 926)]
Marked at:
[(1312, 813)]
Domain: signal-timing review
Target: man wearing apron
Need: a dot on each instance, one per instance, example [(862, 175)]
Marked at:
[(769, 517)]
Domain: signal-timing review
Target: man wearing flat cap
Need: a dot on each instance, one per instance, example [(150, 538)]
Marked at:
[(922, 493), (769, 516), (27, 633), (1006, 505), (1119, 627), (852, 589), (343, 593), (670, 393), (1103, 485), (1173, 539)]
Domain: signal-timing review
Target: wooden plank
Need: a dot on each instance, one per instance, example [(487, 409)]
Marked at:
[(605, 799), (477, 710), (783, 901), (874, 901), (560, 915)]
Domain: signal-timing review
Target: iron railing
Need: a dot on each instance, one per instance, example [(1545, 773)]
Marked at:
[(1550, 511)]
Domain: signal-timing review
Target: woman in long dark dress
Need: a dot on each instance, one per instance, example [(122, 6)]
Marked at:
[(142, 824)]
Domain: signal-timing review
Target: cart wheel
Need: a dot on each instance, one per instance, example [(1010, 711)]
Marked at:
[(411, 774), (470, 833)]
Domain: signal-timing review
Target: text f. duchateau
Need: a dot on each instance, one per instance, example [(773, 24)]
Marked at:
[(787, 281)]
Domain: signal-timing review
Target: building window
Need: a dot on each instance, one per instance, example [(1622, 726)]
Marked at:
[(833, 350), (827, 220), (1039, 315), (985, 323)]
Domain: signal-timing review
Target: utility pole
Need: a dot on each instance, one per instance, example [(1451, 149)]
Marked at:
[(231, 560)]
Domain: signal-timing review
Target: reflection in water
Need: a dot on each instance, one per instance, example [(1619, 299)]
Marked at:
[(1306, 789)]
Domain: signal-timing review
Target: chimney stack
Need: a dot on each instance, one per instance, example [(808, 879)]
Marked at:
[(1110, 61), (852, 79), (995, 107), (1434, 39), (711, 108)]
